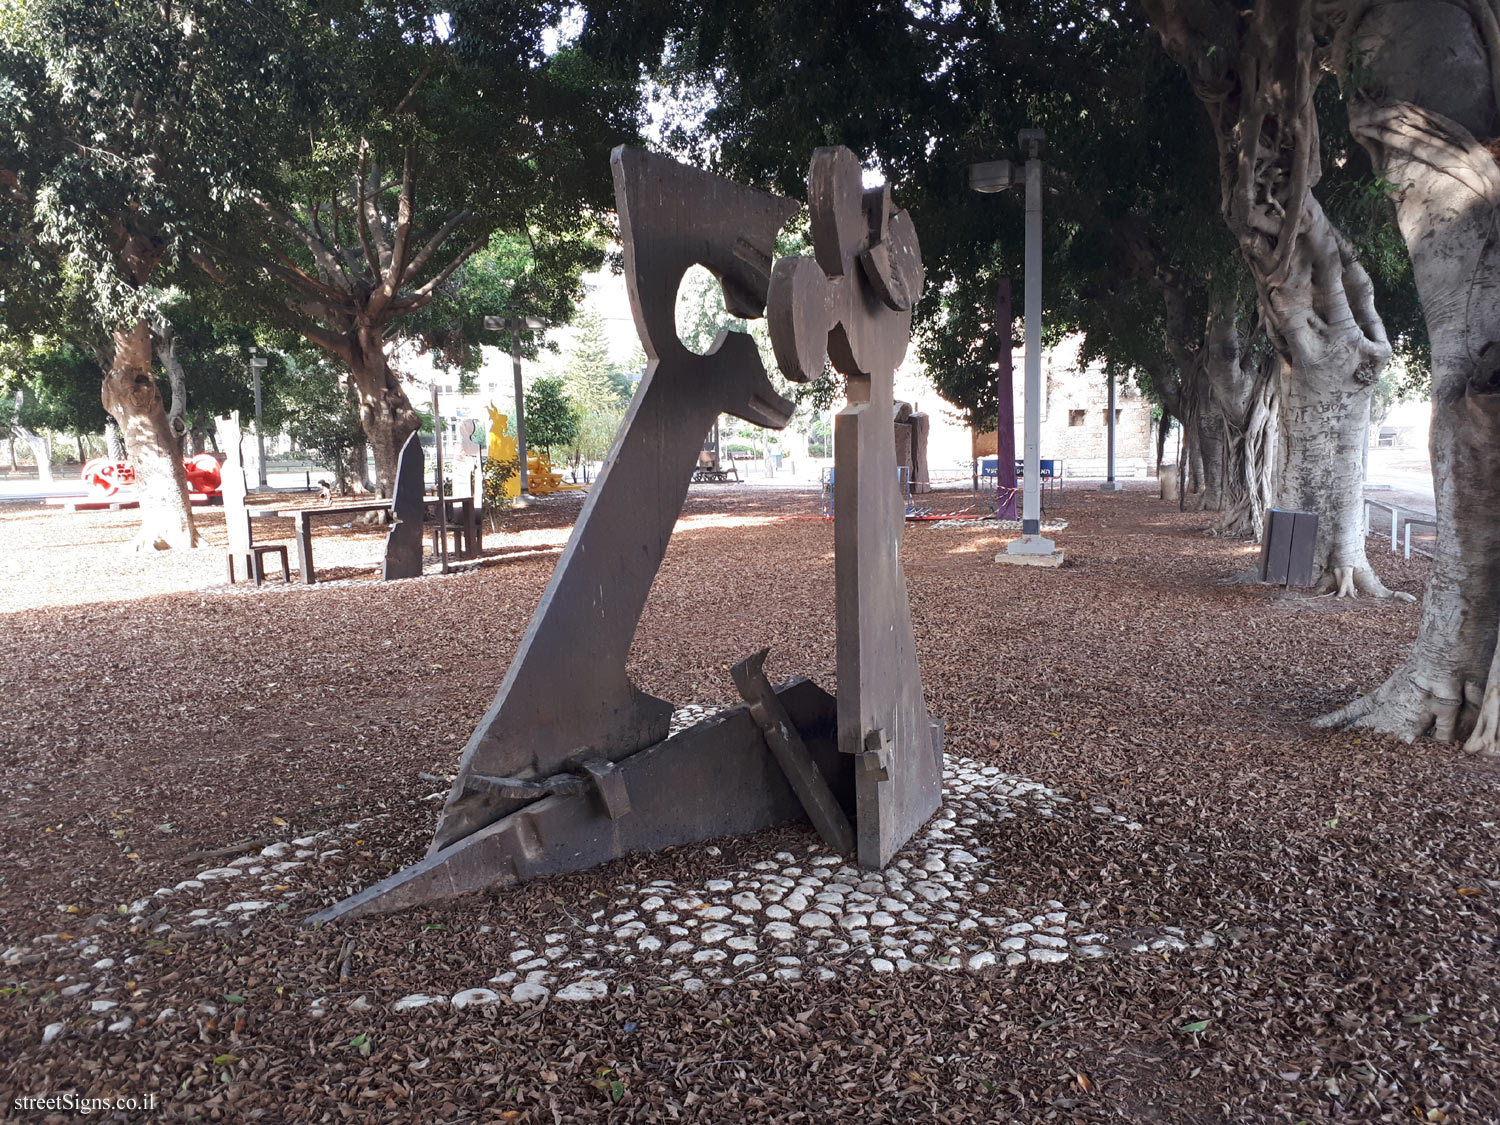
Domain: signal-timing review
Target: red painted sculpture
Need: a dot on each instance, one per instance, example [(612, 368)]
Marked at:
[(105, 479)]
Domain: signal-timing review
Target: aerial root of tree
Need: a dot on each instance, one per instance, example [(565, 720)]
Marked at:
[(1485, 738), (1345, 577), (1350, 581), (1409, 706)]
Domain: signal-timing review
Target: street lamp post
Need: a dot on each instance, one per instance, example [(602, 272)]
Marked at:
[(515, 324), (1110, 484), (998, 175), (257, 365)]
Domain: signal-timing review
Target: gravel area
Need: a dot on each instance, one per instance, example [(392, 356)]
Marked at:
[(1153, 893)]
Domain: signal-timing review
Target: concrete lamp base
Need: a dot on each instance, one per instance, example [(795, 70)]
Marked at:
[(1111, 486), (1030, 550)]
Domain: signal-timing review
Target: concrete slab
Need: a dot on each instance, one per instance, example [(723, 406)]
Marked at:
[(1050, 559)]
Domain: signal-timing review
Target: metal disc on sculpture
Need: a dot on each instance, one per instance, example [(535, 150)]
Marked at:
[(403, 543)]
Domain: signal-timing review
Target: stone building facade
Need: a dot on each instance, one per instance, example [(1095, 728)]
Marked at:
[(1075, 418)]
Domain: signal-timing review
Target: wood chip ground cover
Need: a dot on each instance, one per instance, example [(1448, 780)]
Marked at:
[(157, 730)]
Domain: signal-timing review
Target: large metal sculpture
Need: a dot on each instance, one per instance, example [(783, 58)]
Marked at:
[(571, 765)]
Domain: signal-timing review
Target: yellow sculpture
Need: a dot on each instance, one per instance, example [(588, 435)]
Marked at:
[(541, 480), (503, 450)]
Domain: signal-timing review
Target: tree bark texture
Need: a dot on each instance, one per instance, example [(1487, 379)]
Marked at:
[(1253, 69), (131, 396), (385, 412), (1248, 406), (1422, 89), (166, 351)]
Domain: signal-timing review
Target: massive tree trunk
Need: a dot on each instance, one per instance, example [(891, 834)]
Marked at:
[(1254, 72), (384, 410), (1332, 347), (131, 396), (1426, 86), (166, 351), (1210, 448)]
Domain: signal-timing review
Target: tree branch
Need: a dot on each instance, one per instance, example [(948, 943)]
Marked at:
[(421, 79), (327, 262), (423, 295), (425, 255), (361, 224), (289, 271), (396, 272), (369, 208)]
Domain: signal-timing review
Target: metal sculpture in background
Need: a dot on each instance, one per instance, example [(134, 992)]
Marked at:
[(572, 764), (403, 543)]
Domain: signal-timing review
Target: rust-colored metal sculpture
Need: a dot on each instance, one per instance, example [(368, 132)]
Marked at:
[(571, 765)]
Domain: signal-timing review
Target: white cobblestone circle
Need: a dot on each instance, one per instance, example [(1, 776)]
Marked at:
[(788, 916)]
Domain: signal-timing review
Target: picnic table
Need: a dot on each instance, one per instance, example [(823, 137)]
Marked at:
[(467, 523)]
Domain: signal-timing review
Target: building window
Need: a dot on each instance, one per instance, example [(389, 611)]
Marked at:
[(1076, 417), (1117, 416)]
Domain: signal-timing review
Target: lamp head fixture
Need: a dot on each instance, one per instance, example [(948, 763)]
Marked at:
[(500, 323), (991, 176)]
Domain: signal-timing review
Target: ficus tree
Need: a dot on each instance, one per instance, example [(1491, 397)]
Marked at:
[(1420, 78), (120, 125), (1256, 73), (465, 129)]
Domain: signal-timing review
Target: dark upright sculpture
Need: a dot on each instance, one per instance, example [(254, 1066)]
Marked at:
[(854, 300), (403, 543)]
